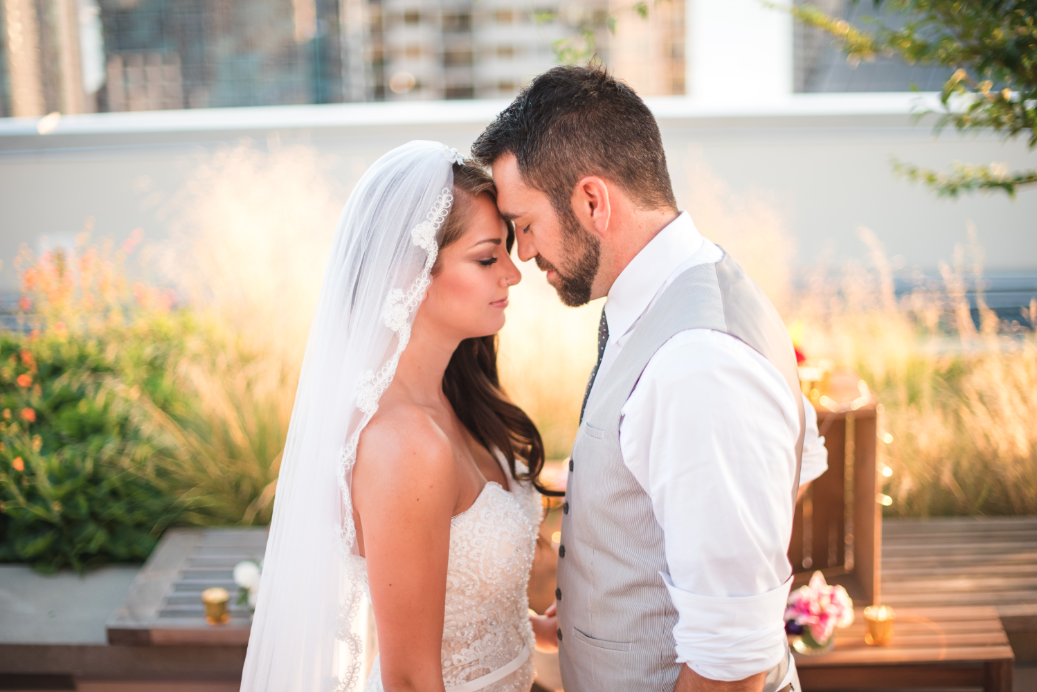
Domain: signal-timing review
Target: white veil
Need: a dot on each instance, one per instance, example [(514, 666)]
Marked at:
[(304, 634)]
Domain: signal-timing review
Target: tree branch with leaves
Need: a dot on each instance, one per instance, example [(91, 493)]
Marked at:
[(992, 47)]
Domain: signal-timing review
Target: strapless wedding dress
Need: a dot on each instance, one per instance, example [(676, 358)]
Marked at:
[(487, 638)]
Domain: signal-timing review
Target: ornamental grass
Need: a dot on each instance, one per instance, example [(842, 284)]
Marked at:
[(151, 384)]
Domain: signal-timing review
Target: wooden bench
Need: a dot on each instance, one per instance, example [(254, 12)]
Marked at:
[(164, 604), (837, 528), (931, 648)]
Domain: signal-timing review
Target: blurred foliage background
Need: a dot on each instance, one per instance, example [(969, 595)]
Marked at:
[(151, 384)]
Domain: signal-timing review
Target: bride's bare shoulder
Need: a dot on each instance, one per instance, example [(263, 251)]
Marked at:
[(402, 439)]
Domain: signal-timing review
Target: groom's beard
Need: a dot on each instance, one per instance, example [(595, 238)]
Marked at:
[(574, 284)]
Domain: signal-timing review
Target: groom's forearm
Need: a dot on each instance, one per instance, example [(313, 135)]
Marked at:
[(690, 681)]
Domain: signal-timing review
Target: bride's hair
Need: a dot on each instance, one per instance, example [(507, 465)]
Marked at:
[(471, 382)]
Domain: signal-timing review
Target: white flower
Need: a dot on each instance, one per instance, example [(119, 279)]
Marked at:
[(246, 575), (424, 235), (396, 311), (452, 156), (253, 597)]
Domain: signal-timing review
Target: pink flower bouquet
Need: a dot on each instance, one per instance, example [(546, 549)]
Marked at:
[(819, 608)]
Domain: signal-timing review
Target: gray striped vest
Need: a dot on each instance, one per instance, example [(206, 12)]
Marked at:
[(615, 615)]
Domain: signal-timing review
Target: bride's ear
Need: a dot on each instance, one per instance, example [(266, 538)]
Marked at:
[(592, 204)]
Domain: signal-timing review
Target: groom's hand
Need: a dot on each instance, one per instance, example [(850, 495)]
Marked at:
[(545, 628)]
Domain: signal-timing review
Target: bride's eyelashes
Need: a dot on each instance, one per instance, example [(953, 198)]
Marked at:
[(488, 262)]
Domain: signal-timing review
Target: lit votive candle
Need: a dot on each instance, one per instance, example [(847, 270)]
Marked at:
[(880, 624), (215, 600)]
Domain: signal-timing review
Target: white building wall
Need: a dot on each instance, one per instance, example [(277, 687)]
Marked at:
[(738, 51)]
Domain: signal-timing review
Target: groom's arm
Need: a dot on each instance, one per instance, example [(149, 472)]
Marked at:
[(710, 433), (690, 681)]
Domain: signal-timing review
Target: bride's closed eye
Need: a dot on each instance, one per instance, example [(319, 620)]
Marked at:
[(488, 262)]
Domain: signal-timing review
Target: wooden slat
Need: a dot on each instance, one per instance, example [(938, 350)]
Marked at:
[(940, 549), (867, 513), (934, 599), (929, 640), (879, 656), (917, 627), (912, 574), (955, 584), (952, 560), (865, 677), (966, 537), (960, 524)]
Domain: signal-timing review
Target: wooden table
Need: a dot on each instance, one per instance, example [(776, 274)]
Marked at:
[(931, 647)]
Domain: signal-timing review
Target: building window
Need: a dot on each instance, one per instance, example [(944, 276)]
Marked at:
[(460, 92), (504, 16), (506, 52), (461, 21), (411, 17), (413, 52), (457, 58)]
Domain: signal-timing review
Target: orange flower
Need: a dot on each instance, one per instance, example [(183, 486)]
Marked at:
[(24, 380), (28, 359), (18, 464), (28, 414), (7, 414), (25, 303)]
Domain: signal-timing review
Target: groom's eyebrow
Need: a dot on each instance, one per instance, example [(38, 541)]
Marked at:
[(509, 217)]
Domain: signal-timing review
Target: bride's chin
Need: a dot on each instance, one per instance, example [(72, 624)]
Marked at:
[(489, 331)]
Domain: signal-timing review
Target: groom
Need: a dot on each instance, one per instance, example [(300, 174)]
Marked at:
[(672, 570)]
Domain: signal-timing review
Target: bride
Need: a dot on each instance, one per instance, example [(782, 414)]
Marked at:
[(408, 477)]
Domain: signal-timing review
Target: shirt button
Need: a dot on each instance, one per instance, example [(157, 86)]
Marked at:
[(559, 635), (558, 594), (565, 508), (561, 551), (570, 464)]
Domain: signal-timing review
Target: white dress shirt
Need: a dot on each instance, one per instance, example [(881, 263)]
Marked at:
[(709, 432)]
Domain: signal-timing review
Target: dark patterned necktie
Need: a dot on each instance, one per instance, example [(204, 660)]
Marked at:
[(603, 337)]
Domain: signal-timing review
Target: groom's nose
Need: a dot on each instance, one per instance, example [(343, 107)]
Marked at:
[(526, 249)]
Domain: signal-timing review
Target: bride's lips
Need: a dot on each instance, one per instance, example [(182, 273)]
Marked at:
[(503, 303)]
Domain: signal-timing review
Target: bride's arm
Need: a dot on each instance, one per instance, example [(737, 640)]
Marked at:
[(405, 491)]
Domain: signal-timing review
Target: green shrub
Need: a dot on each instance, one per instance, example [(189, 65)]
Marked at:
[(77, 487)]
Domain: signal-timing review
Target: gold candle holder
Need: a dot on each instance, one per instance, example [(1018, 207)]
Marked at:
[(215, 600), (880, 624)]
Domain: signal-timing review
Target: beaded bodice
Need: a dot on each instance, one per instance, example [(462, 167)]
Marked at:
[(486, 624)]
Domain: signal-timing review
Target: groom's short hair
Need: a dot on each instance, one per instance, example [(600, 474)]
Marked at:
[(571, 122)]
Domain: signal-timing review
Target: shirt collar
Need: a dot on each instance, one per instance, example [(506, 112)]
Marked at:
[(638, 283)]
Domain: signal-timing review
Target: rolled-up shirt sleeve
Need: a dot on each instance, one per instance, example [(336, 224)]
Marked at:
[(709, 432)]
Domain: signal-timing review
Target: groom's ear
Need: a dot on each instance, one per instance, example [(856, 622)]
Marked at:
[(592, 204)]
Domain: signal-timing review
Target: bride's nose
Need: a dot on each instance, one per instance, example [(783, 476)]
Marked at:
[(511, 274)]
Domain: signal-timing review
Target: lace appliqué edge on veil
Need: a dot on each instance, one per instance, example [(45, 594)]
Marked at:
[(400, 306)]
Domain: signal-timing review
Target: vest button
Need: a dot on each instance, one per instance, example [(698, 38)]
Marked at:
[(570, 464), (565, 508), (561, 551), (559, 635), (558, 594)]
